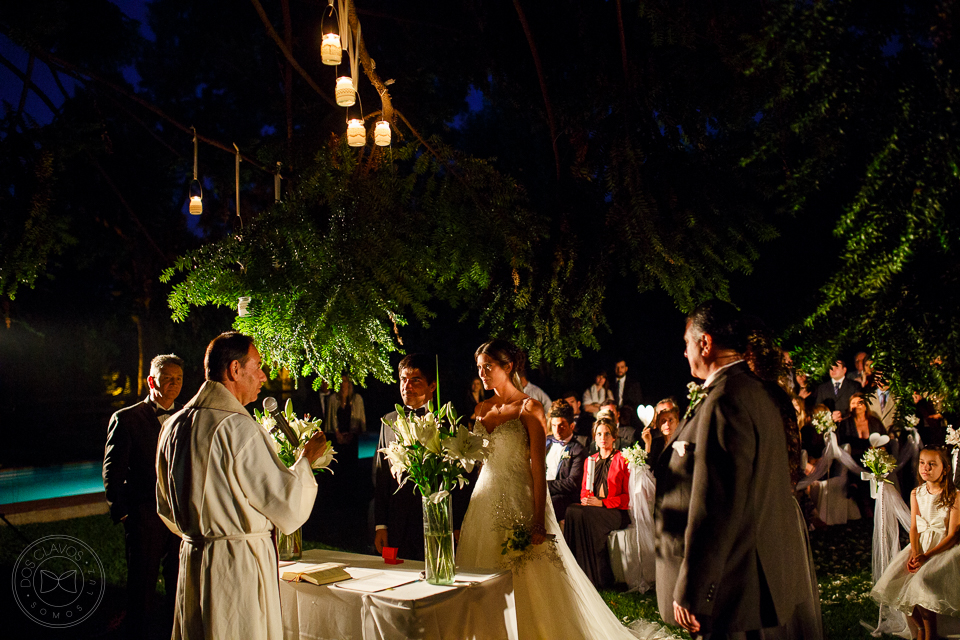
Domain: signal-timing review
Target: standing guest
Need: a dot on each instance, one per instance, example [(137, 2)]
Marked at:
[(666, 419), (598, 393), (582, 421), (324, 394), (932, 427), (728, 546), (604, 507), (473, 397), (882, 402), (222, 488), (855, 431), (837, 391), (346, 420), (861, 369), (130, 483), (627, 394), (565, 457), (534, 391), (804, 393)]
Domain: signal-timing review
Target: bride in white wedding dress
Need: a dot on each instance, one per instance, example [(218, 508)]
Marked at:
[(554, 598)]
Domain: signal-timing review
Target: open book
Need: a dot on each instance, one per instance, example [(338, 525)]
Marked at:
[(318, 574)]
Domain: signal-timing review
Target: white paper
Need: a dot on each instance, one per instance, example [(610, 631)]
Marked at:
[(378, 581)]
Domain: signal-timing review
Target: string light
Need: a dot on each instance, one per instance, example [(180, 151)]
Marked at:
[(356, 133), (381, 134), (346, 94), (196, 189)]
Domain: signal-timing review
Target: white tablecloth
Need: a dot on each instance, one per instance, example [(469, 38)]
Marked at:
[(417, 610)]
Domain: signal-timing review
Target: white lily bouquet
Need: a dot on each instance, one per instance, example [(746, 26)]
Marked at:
[(953, 437), (435, 452), (304, 428), (635, 455), (823, 422), (879, 462)]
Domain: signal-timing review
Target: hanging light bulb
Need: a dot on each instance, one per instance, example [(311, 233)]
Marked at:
[(381, 134), (356, 133), (346, 95), (330, 50), (196, 189)]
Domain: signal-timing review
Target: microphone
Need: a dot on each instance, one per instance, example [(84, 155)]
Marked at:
[(270, 406)]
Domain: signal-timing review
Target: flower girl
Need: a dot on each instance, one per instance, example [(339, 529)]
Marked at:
[(924, 578)]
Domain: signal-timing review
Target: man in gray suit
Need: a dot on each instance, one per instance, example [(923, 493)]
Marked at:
[(729, 546)]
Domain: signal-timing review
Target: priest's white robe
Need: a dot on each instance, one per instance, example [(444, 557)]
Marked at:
[(222, 488)]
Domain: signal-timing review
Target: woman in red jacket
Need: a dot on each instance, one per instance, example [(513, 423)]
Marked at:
[(604, 506)]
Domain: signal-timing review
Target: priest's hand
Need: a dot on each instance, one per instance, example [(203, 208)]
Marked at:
[(380, 540), (315, 446)]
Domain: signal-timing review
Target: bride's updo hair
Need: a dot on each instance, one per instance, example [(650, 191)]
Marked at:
[(504, 353)]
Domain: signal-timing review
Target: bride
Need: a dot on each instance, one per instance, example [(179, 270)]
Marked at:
[(554, 599)]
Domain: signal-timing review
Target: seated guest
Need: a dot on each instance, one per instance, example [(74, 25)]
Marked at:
[(565, 458), (856, 431), (666, 419), (582, 421), (627, 434), (597, 394), (603, 506)]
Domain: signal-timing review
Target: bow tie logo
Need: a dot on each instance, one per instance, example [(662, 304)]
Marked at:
[(66, 581)]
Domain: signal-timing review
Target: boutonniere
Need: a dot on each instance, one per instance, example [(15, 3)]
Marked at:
[(565, 455), (680, 446), (695, 394)]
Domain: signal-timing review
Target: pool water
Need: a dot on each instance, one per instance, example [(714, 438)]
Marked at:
[(79, 478)]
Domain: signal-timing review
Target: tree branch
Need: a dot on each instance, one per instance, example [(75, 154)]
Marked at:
[(543, 83), (26, 85), (289, 54), (369, 66), (28, 82)]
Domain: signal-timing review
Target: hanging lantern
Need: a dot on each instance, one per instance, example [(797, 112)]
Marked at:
[(330, 50), (196, 205), (196, 190), (242, 306), (381, 134), (346, 96), (356, 133)]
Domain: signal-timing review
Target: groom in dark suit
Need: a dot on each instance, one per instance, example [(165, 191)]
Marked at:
[(398, 515), (130, 482), (728, 543)]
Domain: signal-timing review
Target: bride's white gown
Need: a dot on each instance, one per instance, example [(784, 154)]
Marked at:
[(554, 599)]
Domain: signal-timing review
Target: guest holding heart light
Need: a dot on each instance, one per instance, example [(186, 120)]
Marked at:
[(657, 434)]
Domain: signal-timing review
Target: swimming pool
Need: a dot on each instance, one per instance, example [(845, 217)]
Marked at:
[(80, 478)]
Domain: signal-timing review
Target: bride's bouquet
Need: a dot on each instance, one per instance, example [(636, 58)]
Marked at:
[(287, 451)]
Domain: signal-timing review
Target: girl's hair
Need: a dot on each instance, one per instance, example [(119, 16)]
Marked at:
[(948, 492), (504, 353), (608, 422)]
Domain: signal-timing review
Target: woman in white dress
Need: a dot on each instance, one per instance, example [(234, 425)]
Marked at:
[(554, 599)]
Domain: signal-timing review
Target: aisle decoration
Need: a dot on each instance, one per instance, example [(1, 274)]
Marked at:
[(910, 449), (890, 510), (833, 504), (640, 569), (435, 452), (290, 547)]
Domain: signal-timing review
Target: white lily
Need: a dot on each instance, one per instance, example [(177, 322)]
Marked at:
[(428, 434), (396, 454), (268, 422), (404, 428), (323, 462), (435, 498), (466, 447)]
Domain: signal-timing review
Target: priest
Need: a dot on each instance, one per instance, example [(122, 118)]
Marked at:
[(224, 491)]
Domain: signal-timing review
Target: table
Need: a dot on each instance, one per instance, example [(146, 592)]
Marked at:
[(483, 609)]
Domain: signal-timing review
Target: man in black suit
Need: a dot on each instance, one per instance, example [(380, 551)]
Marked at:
[(130, 482), (398, 515), (837, 391), (729, 543), (565, 457), (627, 394)]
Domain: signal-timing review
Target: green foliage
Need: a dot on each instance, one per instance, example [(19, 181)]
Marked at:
[(877, 127)]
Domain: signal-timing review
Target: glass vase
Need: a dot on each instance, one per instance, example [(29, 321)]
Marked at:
[(438, 540), (290, 547)]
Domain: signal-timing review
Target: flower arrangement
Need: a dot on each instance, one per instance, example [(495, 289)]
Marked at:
[(433, 450), (518, 539), (953, 437), (912, 420), (287, 451), (879, 462), (823, 422), (635, 455), (695, 394)]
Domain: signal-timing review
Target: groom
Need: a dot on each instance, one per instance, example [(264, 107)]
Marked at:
[(728, 544)]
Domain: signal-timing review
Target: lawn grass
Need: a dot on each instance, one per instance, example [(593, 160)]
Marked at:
[(841, 554)]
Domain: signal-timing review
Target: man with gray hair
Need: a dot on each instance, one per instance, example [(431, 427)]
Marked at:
[(130, 482), (223, 489)]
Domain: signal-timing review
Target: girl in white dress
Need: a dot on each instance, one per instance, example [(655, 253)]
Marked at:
[(924, 578), (554, 599)]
